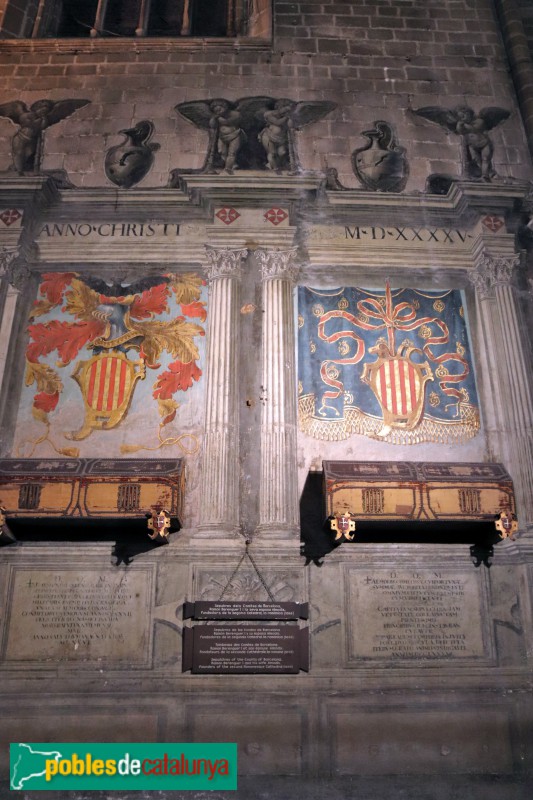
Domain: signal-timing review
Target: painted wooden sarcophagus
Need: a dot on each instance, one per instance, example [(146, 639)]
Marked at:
[(90, 488), (382, 491)]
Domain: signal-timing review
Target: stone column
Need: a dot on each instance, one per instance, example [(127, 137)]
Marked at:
[(9, 294), (506, 373), (220, 461), (278, 491)]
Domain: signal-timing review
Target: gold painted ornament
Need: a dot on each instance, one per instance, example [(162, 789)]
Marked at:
[(507, 525)]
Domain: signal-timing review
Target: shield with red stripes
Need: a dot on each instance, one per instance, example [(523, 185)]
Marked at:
[(107, 381), (398, 384)]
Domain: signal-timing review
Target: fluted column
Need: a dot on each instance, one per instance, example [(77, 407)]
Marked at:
[(9, 294), (507, 373), (220, 462), (278, 498)]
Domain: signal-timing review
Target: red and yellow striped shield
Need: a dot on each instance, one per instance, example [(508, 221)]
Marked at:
[(107, 381), (399, 386)]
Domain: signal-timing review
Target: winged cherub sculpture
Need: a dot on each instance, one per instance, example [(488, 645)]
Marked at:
[(253, 132), (27, 143), (473, 129)]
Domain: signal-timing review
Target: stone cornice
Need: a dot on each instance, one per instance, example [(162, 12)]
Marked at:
[(131, 44)]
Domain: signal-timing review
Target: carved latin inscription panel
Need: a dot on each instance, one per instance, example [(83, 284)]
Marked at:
[(78, 615), (420, 615)]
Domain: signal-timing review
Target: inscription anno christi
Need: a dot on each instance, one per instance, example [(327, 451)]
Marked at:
[(416, 615), (104, 230), (78, 615)]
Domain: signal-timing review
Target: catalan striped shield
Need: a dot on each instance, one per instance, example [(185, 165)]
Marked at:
[(398, 384), (107, 381)]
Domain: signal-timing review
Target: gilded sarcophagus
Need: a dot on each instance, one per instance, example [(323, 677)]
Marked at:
[(374, 491), (90, 488)]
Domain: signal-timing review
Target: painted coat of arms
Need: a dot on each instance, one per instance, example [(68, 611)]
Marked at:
[(114, 334), (393, 365)]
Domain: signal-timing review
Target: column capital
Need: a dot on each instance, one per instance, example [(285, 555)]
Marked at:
[(224, 262), (278, 264), (11, 269), (493, 271)]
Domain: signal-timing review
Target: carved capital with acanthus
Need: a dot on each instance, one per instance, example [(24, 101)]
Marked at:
[(278, 264), (7, 255), (493, 271), (224, 262), (15, 272)]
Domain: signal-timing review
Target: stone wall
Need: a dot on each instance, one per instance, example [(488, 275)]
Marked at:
[(420, 648)]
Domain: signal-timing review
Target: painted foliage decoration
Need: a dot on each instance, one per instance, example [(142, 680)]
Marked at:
[(393, 365), (108, 337)]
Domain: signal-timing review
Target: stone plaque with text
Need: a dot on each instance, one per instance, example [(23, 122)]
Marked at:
[(78, 614), (228, 649), (421, 615), (244, 609)]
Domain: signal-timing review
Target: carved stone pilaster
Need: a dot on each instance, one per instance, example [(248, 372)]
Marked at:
[(7, 256), (224, 262), (506, 375), (493, 271), (278, 499), (8, 299), (220, 464), (278, 264)]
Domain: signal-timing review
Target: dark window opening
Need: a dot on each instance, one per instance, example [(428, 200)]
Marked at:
[(121, 18), (166, 18), (115, 19), (77, 18), (209, 18)]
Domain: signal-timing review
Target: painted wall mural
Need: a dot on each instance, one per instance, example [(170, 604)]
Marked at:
[(92, 347), (393, 365)]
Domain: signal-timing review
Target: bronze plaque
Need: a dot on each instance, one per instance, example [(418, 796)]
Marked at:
[(226, 649)]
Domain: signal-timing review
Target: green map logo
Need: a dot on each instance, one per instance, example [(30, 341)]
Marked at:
[(27, 763), (119, 766)]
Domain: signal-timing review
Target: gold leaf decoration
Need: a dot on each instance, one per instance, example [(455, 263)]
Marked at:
[(187, 287), (41, 307), (439, 306), (424, 331), (81, 300), (176, 337), (131, 448), (71, 452), (45, 377)]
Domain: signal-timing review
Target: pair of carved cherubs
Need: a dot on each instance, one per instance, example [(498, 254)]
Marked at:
[(258, 133)]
